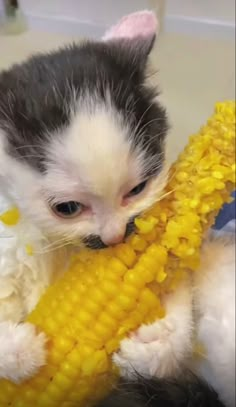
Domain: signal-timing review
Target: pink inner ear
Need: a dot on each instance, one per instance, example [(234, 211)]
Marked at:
[(142, 23)]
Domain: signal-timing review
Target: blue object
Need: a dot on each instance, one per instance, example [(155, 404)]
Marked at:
[(227, 216)]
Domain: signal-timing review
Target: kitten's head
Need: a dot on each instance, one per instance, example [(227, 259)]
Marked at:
[(82, 135)]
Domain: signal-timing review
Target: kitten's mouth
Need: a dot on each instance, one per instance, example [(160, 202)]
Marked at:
[(130, 228), (94, 242)]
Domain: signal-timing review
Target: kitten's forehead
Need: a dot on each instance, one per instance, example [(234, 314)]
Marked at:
[(98, 155)]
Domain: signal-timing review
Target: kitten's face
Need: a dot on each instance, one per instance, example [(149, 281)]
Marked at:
[(82, 141)]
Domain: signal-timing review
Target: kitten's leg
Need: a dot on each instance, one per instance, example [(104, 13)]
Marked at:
[(215, 305), (22, 351), (160, 349)]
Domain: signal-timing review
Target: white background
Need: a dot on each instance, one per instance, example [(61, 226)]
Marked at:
[(91, 17)]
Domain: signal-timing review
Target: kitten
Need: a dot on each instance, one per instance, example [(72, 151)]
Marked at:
[(82, 153), (82, 143)]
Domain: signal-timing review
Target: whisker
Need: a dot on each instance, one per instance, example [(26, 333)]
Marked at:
[(53, 246), (29, 146), (166, 194), (22, 157), (158, 119), (151, 73), (147, 142), (8, 118), (141, 118)]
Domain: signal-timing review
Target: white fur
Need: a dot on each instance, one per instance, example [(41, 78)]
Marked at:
[(23, 279), (161, 348), (215, 307), (22, 351)]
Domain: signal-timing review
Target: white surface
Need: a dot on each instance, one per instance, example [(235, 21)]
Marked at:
[(201, 17), (102, 12), (205, 18), (193, 74), (85, 18), (220, 10), (198, 27)]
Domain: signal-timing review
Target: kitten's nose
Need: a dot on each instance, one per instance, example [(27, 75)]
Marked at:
[(114, 238), (116, 234)]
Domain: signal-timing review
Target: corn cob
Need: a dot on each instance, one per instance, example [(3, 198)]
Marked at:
[(106, 294)]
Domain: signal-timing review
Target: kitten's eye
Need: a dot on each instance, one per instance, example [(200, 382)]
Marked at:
[(138, 189), (69, 209)]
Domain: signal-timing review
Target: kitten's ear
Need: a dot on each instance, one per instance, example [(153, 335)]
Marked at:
[(136, 31)]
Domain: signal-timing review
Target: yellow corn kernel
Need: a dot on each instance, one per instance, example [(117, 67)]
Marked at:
[(97, 362), (106, 294), (10, 217), (137, 243), (161, 275), (146, 225)]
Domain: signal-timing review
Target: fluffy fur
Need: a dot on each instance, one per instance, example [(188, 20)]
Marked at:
[(186, 391), (214, 296), (161, 348), (22, 350)]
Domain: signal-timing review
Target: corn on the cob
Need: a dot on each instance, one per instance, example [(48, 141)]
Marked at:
[(104, 295)]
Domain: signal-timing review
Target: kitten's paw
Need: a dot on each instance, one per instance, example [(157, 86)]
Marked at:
[(22, 351), (151, 351)]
